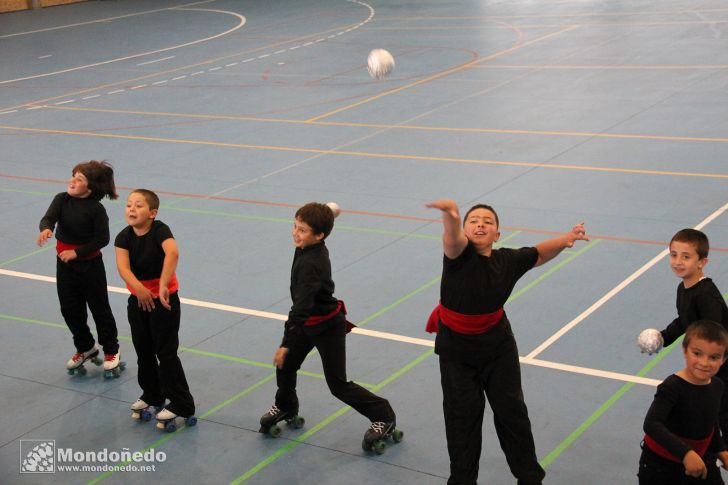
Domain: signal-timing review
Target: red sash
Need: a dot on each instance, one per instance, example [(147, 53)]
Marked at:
[(61, 246), (699, 446), (462, 323), (153, 286), (317, 319)]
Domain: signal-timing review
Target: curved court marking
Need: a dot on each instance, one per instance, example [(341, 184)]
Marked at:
[(394, 156), (348, 124), (133, 56), (611, 293)]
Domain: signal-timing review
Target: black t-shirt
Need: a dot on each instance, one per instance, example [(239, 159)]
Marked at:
[(79, 221), (146, 256), (702, 301), (686, 410)]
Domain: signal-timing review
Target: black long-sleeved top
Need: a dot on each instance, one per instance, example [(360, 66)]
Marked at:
[(686, 410), (702, 301), (80, 221), (312, 289)]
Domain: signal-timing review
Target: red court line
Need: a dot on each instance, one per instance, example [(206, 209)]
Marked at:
[(354, 212)]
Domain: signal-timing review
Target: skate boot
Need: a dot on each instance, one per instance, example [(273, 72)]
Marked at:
[(75, 363), (269, 421), (375, 438), (113, 366), (143, 411), (168, 421)]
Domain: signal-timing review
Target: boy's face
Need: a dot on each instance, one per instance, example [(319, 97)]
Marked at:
[(78, 186), (703, 359), (684, 260), (138, 214), (303, 235), (480, 227)]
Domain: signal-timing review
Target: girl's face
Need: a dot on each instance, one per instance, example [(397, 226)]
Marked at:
[(78, 186)]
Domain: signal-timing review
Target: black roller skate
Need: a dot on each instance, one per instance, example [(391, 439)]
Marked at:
[(75, 363), (269, 421), (375, 438)]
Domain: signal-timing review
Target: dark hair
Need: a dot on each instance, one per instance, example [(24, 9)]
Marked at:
[(707, 330), (100, 176), (319, 216), (694, 237), (482, 206), (151, 198)]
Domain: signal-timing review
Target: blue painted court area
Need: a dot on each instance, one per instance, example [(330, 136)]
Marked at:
[(238, 112)]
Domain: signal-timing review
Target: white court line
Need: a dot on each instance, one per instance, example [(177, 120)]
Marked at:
[(155, 60), (363, 331), (549, 341), (46, 56)]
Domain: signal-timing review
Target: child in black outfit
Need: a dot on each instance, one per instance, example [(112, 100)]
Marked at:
[(82, 229), (475, 344), (146, 257), (682, 437), (317, 319)]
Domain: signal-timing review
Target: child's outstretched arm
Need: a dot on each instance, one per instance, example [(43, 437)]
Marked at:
[(171, 256), (123, 265), (549, 249), (453, 237)]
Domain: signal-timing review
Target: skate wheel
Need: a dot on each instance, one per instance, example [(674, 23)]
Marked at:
[(365, 446), (191, 421), (397, 435), (145, 415), (274, 431), (297, 422), (171, 427), (70, 372), (108, 374), (81, 371), (97, 361), (122, 365), (379, 447)]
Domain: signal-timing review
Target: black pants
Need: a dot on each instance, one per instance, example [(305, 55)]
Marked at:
[(331, 344), (155, 336), (655, 470), (465, 386), (82, 283)]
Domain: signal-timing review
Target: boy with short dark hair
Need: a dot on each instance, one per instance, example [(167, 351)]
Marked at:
[(317, 319), (682, 434)]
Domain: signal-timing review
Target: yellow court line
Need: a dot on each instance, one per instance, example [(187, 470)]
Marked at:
[(442, 74), (554, 15), (596, 66), (378, 126), (395, 156)]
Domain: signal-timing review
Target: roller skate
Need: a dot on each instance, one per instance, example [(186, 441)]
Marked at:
[(375, 438), (168, 421), (113, 366), (269, 421), (75, 363), (143, 411)]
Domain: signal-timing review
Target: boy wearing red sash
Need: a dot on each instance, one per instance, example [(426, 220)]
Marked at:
[(682, 432), (146, 257), (475, 344), (82, 229), (317, 319)]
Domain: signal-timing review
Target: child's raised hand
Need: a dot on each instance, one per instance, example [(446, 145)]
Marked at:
[(577, 233), (145, 298), (445, 205), (694, 465), (280, 357), (44, 235)]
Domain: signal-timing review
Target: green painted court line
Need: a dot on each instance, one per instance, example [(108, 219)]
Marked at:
[(569, 440), (169, 436), (325, 422)]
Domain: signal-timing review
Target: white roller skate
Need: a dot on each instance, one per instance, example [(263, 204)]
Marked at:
[(375, 438), (75, 363), (167, 420), (113, 366), (143, 411)]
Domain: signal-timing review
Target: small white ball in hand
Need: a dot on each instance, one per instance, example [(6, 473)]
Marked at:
[(334, 208), (650, 341)]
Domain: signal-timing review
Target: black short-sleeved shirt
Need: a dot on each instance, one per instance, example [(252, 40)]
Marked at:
[(702, 301), (686, 410), (146, 256), (80, 221), (474, 284)]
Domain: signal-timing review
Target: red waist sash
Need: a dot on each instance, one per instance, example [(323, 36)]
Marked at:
[(61, 246), (462, 323), (317, 319), (699, 446), (153, 286)]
